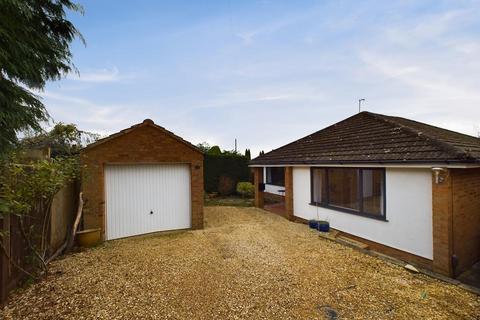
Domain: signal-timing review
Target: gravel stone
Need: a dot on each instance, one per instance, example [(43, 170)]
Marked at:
[(246, 264)]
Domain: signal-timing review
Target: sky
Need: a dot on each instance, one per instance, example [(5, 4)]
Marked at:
[(269, 72)]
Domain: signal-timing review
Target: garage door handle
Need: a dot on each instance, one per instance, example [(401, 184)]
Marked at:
[(151, 212)]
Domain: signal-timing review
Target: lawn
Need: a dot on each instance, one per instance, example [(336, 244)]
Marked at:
[(246, 264)]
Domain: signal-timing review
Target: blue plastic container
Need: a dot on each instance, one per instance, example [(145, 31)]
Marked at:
[(313, 224), (323, 226)]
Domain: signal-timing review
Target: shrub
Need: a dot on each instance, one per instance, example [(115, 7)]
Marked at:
[(245, 189), (226, 185), (27, 191), (215, 150), (215, 166)]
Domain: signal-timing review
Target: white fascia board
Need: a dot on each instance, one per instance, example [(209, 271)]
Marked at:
[(376, 165)]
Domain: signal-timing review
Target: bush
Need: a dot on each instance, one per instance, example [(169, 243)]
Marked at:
[(226, 185), (27, 190), (215, 150), (245, 189), (215, 166)]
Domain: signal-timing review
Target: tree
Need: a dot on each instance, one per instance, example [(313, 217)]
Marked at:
[(35, 39), (247, 154), (204, 146), (215, 150), (261, 153), (231, 153), (28, 186), (63, 139)]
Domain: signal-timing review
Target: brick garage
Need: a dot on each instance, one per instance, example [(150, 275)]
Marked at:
[(154, 153)]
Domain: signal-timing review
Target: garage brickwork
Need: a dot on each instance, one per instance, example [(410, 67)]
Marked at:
[(145, 143)]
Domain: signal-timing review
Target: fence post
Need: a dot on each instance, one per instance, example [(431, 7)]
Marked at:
[(4, 262)]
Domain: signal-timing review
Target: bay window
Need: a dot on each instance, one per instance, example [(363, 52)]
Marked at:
[(354, 190)]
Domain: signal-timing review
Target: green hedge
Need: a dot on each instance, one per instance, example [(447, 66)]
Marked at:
[(235, 167)]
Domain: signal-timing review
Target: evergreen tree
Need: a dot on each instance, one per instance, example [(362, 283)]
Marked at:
[(215, 150), (247, 154), (35, 38)]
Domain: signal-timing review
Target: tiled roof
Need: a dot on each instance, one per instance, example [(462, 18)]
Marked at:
[(146, 122), (374, 138)]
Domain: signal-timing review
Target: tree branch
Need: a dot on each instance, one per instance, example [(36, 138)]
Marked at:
[(76, 223), (31, 246)]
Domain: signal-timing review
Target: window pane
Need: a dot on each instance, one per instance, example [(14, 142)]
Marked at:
[(373, 191), (343, 188), (269, 175), (319, 192), (276, 176)]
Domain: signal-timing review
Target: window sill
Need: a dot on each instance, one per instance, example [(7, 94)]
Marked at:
[(275, 185), (353, 212)]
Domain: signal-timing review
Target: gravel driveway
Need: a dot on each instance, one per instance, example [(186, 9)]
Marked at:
[(246, 263)]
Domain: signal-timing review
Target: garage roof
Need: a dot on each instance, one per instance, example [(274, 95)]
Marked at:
[(374, 138), (146, 122)]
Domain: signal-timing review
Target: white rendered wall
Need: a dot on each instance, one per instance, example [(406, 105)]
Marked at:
[(408, 211), (271, 188)]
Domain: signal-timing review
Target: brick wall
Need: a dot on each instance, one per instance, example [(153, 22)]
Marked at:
[(257, 179), (272, 198), (289, 193), (442, 215), (456, 221), (466, 217), (146, 143)]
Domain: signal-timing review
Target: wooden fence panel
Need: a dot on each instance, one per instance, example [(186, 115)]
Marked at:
[(62, 215), (15, 255)]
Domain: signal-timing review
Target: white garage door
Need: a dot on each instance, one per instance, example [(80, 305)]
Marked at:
[(146, 198)]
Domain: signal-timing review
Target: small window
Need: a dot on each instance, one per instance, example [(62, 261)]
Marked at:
[(276, 176), (354, 190), (319, 181)]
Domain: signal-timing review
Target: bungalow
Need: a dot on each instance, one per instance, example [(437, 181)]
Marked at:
[(404, 188)]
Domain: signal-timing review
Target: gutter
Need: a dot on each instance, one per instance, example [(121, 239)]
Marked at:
[(428, 165)]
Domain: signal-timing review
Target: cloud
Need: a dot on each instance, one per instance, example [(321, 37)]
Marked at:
[(90, 115), (247, 37), (308, 68), (274, 26), (424, 69), (97, 76), (266, 96)]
